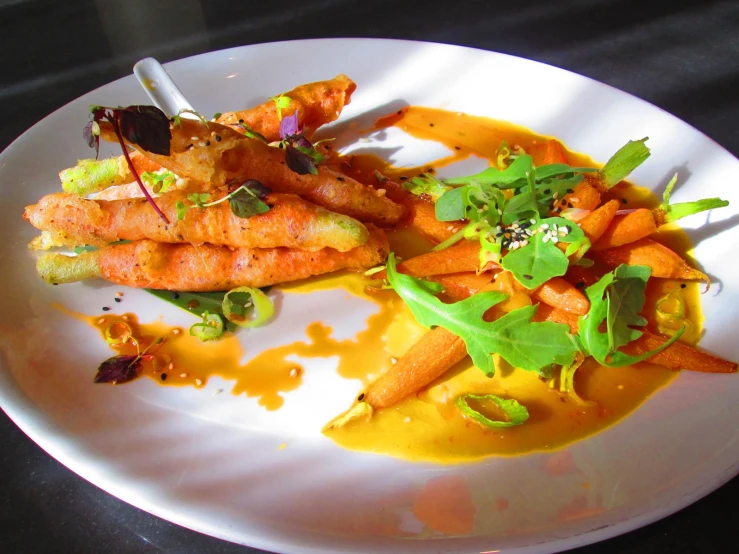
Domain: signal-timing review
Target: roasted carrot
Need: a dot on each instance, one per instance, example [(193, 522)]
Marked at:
[(183, 267), (421, 214), (316, 103), (596, 223), (291, 222), (549, 152), (459, 258), (235, 158), (664, 262), (679, 355), (458, 286), (561, 295), (428, 359), (676, 356)]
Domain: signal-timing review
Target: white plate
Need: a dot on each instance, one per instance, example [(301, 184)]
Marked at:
[(213, 463)]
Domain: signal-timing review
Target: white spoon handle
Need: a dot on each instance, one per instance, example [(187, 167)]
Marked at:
[(161, 88)]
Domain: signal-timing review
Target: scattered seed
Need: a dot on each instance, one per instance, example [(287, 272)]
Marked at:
[(106, 309), (163, 376), (683, 285), (175, 331), (580, 284), (545, 238), (217, 392), (170, 366), (526, 276), (407, 419), (119, 294), (294, 372), (183, 375), (198, 382), (101, 321), (117, 299)]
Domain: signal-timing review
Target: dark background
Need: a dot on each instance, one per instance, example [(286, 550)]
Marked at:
[(682, 56)]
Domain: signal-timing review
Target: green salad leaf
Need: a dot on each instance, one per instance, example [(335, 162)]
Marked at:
[(515, 413), (521, 342), (616, 299), (541, 259)]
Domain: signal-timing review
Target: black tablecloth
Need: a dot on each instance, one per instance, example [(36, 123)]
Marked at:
[(682, 56)]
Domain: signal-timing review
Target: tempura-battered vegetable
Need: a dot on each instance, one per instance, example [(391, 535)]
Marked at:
[(216, 154), (90, 176), (291, 222), (183, 267), (316, 103)]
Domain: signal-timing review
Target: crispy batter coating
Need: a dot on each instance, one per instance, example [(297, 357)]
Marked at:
[(316, 103), (290, 222)]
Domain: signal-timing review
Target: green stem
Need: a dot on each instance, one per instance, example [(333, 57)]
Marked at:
[(455, 238), (622, 163), (684, 209)]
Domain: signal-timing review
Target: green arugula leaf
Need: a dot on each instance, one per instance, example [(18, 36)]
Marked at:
[(513, 176), (539, 261), (515, 413), (617, 298), (450, 206), (519, 341)]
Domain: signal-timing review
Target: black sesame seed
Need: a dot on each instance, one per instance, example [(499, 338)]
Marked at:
[(422, 175), (458, 148), (207, 143), (163, 376), (241, 120), (431, 124), (526, 276), (547, 191), (558, 210), (624, 201), (361, 396), (117, 299), (570, 191), (340, 179), (683, 285), (400, 112), (403, 178), (218, 138), (106, 309), (569, 204), (580, 285), (175, 295), (188, 146)]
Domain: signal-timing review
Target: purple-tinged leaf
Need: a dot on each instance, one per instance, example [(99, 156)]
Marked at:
[(92, 139), (289, 126), (118, 369), (300, 163), (146, 126), (257, 187)]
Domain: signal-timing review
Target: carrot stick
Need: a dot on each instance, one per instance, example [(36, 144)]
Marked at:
[(421, 213), (679, 355), (549, 152), (316, 103), (627, 227), (459, 258), (664, 262), (458, 286), (428, 359), (676, 356), (561, 295), (596, 223)]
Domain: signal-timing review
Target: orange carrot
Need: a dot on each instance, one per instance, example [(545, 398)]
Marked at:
[(664, 262), (458, 286), (459, 258), (428, 359), (585, 196), (596, 223), (675, 356), (561, 295), (549, 152), (627, 227)]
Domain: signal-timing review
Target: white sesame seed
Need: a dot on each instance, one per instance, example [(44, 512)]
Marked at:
[(564, 230), (394, 360), (183, 375), (500, 212), (525, 243), (124, 318), (407, 419), (174, 331), (294, 372), (194, 138), (198, 382), (119, 294), (555, 240), (555, 195), (533, 221), (515, 244), (170, 367), (529, 232), (544, 226), (575, 200), (479, 210), (101, 321), (545, 238), (201, 143)]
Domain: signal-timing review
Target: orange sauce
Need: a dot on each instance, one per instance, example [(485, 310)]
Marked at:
[(426, 426)]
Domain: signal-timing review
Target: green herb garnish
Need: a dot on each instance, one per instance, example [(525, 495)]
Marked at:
[(515, 413), (210, 328), (521, 342), (616, 299), (240, 302), (281, 102), (669, 213), (245, 201)]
